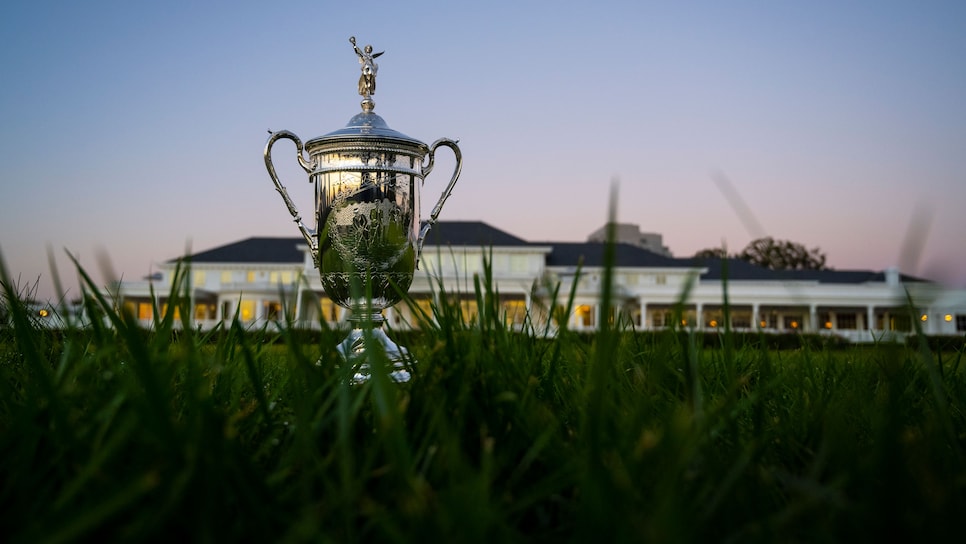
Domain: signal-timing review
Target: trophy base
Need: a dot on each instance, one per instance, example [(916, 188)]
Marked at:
[(355, 349)]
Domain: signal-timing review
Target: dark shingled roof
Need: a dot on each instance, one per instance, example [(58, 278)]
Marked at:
[(592, 254), (470, 233), (254, 250), (736, 269), (741, 270), (844, 276), (480, 234), (284, 250)]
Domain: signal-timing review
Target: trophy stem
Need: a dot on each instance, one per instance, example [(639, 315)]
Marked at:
[(366, 335)]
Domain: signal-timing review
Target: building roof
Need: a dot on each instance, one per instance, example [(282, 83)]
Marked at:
[(741, 270), (285, 250), (845, 276), (470, 233), (277, 250), (592, 254), (736, 269), (253, 250)]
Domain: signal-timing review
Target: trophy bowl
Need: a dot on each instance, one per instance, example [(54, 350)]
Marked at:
[(368, 232)]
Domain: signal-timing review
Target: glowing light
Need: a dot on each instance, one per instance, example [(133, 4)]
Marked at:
[(948, 318), (924, 318), (43, 312), (763, 324), (713, 323), (794, 324), (828, 324)]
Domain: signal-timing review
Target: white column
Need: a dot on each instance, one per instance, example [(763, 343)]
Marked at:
[(298, 302)]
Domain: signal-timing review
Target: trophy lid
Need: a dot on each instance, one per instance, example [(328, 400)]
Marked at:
[(368, 125)]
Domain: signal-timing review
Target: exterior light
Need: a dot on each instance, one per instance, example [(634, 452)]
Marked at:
[(794, 324), (924, 317), (828, 324), (948, 318), (43, 312), (763, 324), (713, 323)]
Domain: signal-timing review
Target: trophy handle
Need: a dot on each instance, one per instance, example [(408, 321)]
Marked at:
[(427, 168), (307, 233)]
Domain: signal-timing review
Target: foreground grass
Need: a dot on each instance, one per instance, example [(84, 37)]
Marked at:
[(114, 433)]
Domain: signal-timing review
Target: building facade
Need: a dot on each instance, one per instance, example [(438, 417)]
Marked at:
[(265, 280)]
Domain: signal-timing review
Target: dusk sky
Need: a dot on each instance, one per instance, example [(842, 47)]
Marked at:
[(136, 129)]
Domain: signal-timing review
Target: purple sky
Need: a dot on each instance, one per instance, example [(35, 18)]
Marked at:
[(136, 129)]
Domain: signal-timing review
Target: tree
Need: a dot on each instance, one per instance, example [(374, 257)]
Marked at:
[(712, 253), (772, 254), (782, 255)]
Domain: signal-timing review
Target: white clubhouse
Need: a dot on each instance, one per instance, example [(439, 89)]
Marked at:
[(259, 279)]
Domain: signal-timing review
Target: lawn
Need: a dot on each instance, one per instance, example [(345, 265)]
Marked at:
[(114, 433)]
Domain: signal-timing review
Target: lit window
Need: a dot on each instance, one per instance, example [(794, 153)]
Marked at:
[(330, 310), (226, 276), (247, 309), (177, 311), (282, 276), (250, 276), (426, 305), (516, 311), (469, 310), (272, 310), (204, 311), (661, 279), (199, 278), (585, 315)]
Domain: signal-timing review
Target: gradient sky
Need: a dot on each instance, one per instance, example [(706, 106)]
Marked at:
[(135, 129)]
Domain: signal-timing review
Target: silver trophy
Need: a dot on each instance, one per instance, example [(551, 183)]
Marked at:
[(368, 234)]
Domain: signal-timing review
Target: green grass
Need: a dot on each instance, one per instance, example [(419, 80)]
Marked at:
[(115, 433)]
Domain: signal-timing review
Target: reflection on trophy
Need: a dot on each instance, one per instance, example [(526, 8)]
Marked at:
[(368, 234)]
